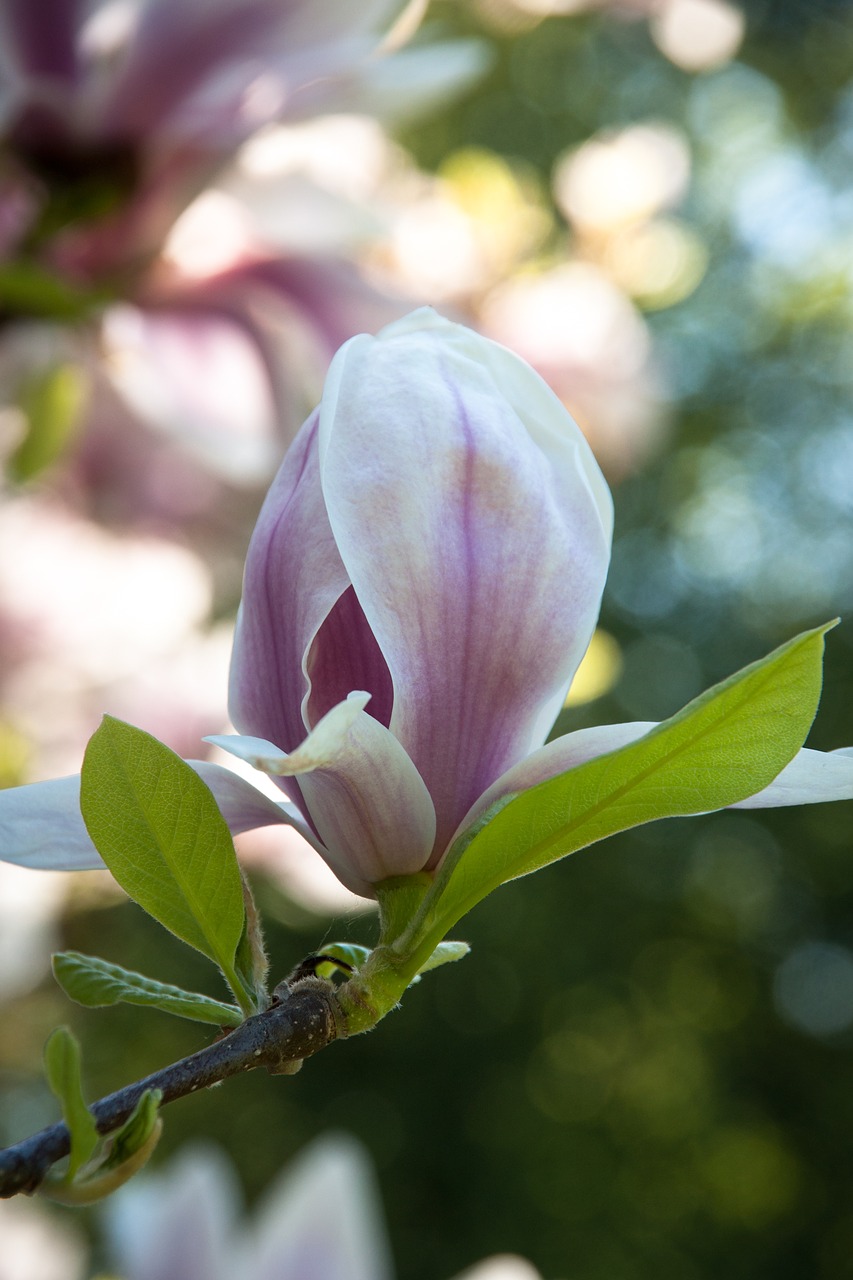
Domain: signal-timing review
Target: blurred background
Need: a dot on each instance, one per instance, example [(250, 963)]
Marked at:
[(645, 1068)]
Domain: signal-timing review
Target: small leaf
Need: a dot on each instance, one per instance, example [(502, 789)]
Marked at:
[(726, 745), (62, 1066), (96, 983), (445, 953), (134, 1137), (159, 830), (129, 1150), (348, 953)]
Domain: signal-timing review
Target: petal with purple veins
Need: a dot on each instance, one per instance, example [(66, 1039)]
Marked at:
[(366, 799), (475, 528)]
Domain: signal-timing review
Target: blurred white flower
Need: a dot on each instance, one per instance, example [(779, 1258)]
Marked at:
[(320, 1221), (36, 1246)]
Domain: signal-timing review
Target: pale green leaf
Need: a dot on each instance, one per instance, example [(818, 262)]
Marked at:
[(159, 830), (62, 1067), (445, 953), (129, 1150), (724, 746), (96, 983), (134, 1136)]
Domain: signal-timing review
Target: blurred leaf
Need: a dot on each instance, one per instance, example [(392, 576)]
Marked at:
[(31, 291), (160, 832), (51, 403), (62, 1066), (726, 745), (96, 983)]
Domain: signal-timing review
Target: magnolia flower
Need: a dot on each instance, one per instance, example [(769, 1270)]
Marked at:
[(115, 117), (320, 1219), (423, 581)]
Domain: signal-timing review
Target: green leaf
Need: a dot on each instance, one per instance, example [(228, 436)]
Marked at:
[(134, 1138), (62, 1066), (445, 953), (724, 746), (348, 953), (30, 290), (96, 983), (159, 830), (128, 1151), (51, 403)]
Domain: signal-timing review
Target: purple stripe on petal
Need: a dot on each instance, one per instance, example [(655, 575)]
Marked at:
[(477, 552), (294, 576)]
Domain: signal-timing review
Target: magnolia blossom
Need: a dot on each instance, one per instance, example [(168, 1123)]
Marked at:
[(423, 581), (115, 118), (320, 1219)]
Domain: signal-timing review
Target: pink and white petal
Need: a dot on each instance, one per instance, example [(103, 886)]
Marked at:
[(477, 550), (295, 1235), (293, 578), (243, 806), (367, 801), (398, 88), (41, 825), (201, 378), (812, 777)]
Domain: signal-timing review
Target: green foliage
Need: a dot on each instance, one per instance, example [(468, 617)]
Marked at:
[(62, 1067), (723, 747), (96, 983), (51, 403), (346, 954), (160, 832), (123, 1154), (445, 953)]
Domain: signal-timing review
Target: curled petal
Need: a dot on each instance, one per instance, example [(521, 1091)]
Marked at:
[(475, 528), (41, 825), (366, 799)]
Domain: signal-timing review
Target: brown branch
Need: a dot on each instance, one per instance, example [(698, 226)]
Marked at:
[(306, 1018)]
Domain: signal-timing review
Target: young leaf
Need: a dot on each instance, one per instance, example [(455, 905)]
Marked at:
[(726, 745), (96, 983), (129, 1150), (159, 830), (62, 1067), (445, 953), (133, 1141), (348, 953)]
